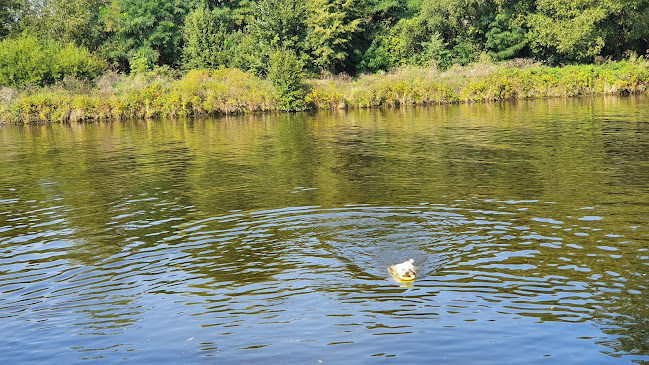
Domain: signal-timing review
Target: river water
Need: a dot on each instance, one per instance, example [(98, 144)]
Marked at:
[(266, 238)]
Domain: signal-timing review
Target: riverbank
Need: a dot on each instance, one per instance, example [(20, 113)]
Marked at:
[(226, 91)]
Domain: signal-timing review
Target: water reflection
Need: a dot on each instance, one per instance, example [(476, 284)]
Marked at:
[(267, 237)]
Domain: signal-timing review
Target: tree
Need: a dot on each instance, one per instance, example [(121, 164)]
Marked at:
[(331, 27), (208, 40), (285, 72), (568, 31), (462, 25), (369, 51), (74, 21), (8, 10), (144, 31), (505, 38), (627, 28), (274, 24)]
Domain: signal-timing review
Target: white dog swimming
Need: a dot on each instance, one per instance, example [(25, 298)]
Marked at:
[(404, 271)]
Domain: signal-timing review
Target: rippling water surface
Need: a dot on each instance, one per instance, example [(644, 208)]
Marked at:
[(266, 238)]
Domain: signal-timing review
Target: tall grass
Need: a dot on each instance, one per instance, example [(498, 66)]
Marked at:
[(202, 92), (483, 81), (115, 96)]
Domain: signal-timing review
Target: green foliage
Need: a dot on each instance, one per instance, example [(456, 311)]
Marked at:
[(225, 90), (435, 52), (75, 21), (207, 38), (371, 44), (389, 9), (286, 73), (274, 24), (440, 33), (405, 42), (144, 28), (456, 20), (376, 57), (250, 53), (568, 31), (331, 27), (8, 10), (141, 60), (27, 60), (629, 27), (70, 60), (461, 25), (333, 36), (504, 39), (23, 61)]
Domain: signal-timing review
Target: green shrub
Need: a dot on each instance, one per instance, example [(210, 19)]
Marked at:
[(207, 34), (70, 60), (286, 73), (22, 61), (27, 60)]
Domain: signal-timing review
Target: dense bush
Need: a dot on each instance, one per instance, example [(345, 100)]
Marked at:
[(144, 33), (285, 72), (207, 34), (29, 61)]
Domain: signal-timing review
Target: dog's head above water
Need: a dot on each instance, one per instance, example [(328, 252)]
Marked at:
[(404, 271)]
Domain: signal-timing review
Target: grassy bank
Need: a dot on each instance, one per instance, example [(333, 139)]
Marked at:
[(114, 96), (480, 82)]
